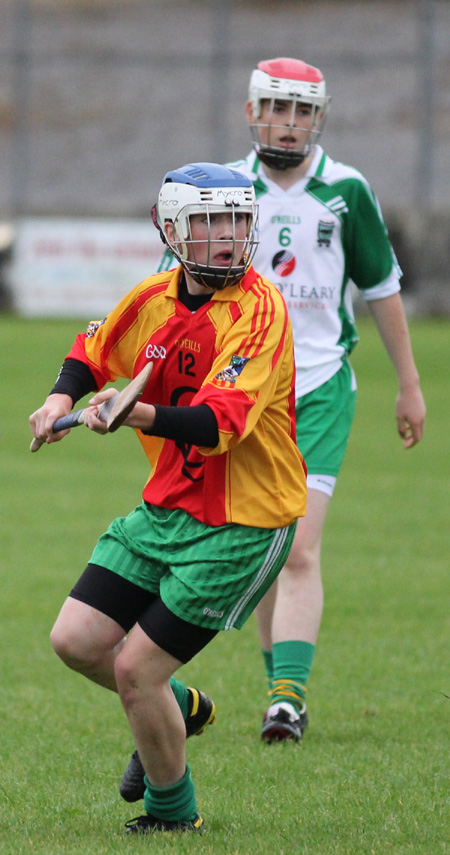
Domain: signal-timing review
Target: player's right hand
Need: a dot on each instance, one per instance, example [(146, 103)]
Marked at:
[(43, 419)]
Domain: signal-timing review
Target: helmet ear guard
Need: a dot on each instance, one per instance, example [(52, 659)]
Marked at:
[(206, 188)]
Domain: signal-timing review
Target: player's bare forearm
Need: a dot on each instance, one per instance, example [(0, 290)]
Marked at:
[(142, 416), (392, 325)]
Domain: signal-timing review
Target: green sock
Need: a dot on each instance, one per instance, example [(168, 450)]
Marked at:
[(268, 664), (181, 696), (176, 803), (292, 662)]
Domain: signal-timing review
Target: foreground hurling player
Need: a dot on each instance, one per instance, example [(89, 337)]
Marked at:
[(320, 230), (227, 482)]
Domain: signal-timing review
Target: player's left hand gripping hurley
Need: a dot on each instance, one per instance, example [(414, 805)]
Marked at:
[(113, 411)]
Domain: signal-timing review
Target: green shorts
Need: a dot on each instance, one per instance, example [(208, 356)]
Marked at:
[(324, 418), (210, 577)]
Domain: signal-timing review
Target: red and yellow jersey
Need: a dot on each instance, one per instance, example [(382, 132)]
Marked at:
[(235, 354)]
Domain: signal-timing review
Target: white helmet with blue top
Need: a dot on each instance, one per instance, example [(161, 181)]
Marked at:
[(207, 188)]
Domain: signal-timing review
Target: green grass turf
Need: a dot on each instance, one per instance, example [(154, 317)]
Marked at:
[(372, 776)]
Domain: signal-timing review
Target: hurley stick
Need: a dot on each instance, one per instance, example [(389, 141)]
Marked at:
[(113, 411)]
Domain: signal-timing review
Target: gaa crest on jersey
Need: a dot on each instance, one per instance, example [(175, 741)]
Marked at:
[(325, 231), (232, 371), (283, 263), (93, 326)]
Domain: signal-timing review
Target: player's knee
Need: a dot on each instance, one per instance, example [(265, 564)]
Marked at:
[(133, 677), (123, 672), (302, 561), (127, 679), (69, 647)]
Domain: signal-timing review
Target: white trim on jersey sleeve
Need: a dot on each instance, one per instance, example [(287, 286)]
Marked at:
[(390, 286)]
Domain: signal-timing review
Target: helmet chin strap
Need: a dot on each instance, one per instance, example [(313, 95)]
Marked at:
[(216, 278), (280, 161)]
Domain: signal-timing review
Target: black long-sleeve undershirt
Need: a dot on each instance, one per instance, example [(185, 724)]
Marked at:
[(75, 379), (195, 425)]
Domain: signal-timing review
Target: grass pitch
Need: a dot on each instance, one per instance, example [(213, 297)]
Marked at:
[(372, 776)]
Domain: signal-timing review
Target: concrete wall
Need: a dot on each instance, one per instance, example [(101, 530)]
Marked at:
[(98, 99)]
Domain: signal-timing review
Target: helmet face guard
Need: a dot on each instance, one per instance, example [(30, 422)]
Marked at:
[(208, 189), (297, 83)]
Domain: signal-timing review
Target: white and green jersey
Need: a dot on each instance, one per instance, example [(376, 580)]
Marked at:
[(316, 239)]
